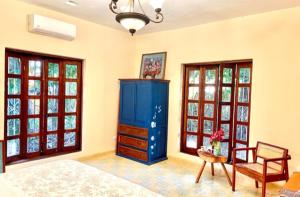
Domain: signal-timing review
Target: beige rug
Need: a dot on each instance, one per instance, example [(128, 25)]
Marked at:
[(68, 178)]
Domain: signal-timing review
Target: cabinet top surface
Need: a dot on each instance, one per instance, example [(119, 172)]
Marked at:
[(154, 80)]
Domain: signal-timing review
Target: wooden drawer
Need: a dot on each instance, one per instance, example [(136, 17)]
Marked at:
[(134, 131), (133, 153), (130, 141)]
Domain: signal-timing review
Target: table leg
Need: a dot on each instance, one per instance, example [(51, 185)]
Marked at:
[(200, 172), (228, 178), (212, 169)]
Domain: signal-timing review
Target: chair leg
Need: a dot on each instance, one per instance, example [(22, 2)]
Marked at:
[(264, 187), (212, 169), (233, 178), (256, 184)]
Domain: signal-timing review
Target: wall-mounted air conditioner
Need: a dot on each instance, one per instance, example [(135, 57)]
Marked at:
[(51, 27)]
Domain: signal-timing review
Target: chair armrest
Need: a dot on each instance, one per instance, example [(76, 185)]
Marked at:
[(277, 159)]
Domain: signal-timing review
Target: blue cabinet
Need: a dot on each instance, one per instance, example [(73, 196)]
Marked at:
[(143, 120), (2, 164)]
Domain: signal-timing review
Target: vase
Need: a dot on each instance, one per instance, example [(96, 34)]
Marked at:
[(217, 148)]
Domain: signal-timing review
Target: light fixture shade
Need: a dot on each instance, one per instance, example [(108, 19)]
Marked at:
[(157, 3), (132, 23), (132, 20)]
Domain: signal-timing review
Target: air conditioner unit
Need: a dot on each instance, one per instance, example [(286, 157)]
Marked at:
[(51, 27)]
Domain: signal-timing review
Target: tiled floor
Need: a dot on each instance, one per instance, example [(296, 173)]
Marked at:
[(174, 178)]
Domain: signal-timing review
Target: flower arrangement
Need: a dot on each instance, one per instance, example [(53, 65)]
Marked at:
[(215, 141), (216, 137)]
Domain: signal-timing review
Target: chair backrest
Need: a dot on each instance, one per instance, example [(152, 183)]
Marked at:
[(1, 156), (269, 151)]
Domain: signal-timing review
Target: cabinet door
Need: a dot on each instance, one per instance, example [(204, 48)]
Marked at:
[(143, 104), (127, 102)]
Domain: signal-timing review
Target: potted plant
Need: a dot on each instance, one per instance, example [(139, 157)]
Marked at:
[(215, 141)]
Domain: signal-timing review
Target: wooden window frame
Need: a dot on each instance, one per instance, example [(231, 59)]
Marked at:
[(25, 56), (218, 102), (236, 122)]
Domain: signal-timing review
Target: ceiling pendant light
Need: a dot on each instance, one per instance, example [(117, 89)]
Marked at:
[(132, 20)]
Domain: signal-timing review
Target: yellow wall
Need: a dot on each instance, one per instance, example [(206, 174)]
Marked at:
[(108, 56), (271, 40)]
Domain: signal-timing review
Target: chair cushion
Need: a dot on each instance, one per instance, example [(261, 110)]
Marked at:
[(257, 168)]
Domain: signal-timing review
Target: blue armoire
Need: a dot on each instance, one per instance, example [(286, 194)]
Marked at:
[(143, 120)]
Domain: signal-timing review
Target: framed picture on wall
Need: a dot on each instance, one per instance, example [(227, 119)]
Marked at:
[(153, 66)]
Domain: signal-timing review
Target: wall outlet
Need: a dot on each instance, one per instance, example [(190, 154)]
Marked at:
[(114, 137)]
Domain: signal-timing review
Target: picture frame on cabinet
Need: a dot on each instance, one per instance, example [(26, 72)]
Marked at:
[(153, 65)]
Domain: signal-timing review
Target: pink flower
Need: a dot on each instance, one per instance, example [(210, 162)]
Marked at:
[(217, 136)]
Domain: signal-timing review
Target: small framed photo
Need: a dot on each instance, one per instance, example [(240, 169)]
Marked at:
[(153, 66)]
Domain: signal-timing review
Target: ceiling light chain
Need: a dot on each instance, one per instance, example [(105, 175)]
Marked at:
[(132, 20)]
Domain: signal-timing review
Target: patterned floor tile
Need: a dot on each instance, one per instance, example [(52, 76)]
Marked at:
[(176, 178)]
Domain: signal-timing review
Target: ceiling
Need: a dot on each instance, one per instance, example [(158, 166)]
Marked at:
[(178, 13)]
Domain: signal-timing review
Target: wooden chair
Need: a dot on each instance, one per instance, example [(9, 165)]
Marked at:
[(270, 164)]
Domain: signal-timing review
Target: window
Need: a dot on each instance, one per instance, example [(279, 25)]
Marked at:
[(42, 105), (216, 96)]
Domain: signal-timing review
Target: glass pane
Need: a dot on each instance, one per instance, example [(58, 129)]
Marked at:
[(193, 93), (224, 149), (52, 141), (52, 123), (33, 106), (244, 75), (210, 76), (193, 109), (13, 107), (14, 65), (225, 128), (69, 139), (241, 154), (70, 105), (210, 93), (206, 142), (208, 126), (71, 71), (35, 68), (191, 141), (33, 125), (209, 110), (53, 87), (52, 106), (225, 114), (34, 87), (14, 86), (194, 76), (242, 114), (227, 75), (13, 127), (243, 95), (192, 125), (53, 70), (70, 122), (226, 94), (13, 147), (71, 88), (33, 144), (241, 132)]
